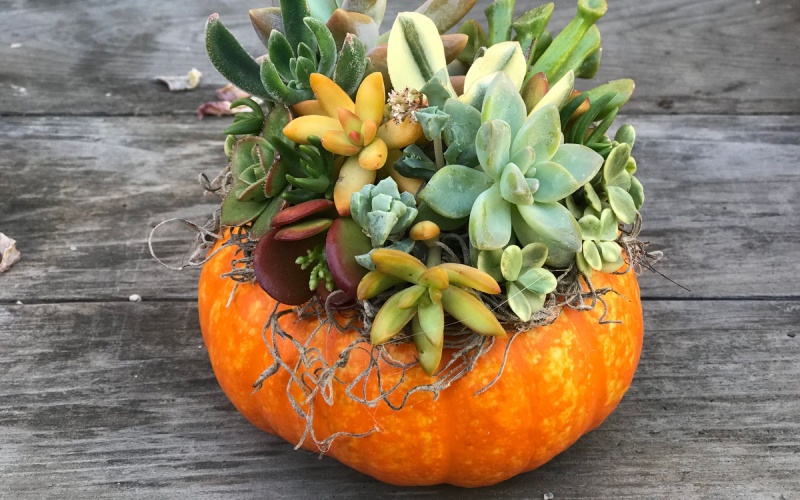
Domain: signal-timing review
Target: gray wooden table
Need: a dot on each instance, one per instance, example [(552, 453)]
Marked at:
[(101, 397)]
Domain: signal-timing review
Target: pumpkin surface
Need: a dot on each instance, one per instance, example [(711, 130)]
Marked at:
[(559, 382)]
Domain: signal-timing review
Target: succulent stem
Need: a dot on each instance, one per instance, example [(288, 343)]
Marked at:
[(437, 147)]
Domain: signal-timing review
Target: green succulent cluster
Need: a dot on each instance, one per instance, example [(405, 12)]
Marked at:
[(600, 250), (312, 172), (297, 46), (527, 282), (259, 181), (320, 272), (433, 291), (524, 172), (576, 48), (382, 211)]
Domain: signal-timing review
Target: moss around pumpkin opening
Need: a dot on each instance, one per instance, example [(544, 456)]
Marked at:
[(422, 263)]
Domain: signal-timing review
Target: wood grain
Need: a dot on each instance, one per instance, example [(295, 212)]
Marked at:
[(118, 400), (79, 57), (80, 195)]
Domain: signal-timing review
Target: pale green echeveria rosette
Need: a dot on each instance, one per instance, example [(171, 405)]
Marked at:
[(600, 250), (527, 283), (384, 214), (525, 170)]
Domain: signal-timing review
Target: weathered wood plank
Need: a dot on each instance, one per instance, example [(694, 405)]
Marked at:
[(94, 57), (118, 400), (81, 194)]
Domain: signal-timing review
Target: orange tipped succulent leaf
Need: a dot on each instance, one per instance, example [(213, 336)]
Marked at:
[(352, 129)]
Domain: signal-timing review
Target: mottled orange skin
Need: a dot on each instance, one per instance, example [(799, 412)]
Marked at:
[(560, 381)]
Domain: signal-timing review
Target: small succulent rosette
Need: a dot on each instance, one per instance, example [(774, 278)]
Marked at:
[(427, 183)]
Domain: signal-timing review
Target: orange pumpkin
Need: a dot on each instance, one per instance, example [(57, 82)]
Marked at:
[(560, 381)]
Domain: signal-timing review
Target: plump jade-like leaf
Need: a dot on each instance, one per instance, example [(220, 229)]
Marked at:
[(609, 250), (265, 20), (537, 280), (391, 318), (591, 228), (622, 204), (553, 225), (542, 132), (626, 134), (317, 208), (592, 255), (555, 182), (276, 270), (503, 102), (303, 230), (344, 241), (429, 355), (616, 162), (580, 161), (375, 282), (452, 191), (518, 302), (431, 319), (238, 213), (489, 262), (511, 262), (469, 277), (534, 255), (506, 57), (492, 145), (637, 193), (398, 264), (558, 94), (514, 187), (343, 22), (263, 224), (608, 226), (461, 130), (372, 8), (231, 60), (490, 220), (471, 312), (415, 53)]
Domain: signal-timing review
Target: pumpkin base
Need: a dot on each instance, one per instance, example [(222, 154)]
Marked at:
[(558, 382)]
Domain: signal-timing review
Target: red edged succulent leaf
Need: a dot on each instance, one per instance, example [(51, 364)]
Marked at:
[(278, 273), (303, 230), (321, 208), (346, 240)]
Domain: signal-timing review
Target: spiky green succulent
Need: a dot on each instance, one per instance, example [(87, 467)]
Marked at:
[(312, 171), (303, 45), (433, 291), (525, 171)]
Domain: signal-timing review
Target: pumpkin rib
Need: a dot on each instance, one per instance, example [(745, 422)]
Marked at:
[(465, 426)]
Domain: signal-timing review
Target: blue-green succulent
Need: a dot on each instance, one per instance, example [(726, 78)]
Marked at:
[(525, 171)]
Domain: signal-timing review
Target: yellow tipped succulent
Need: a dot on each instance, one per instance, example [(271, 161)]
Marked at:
[(434, 291), (353, 129)]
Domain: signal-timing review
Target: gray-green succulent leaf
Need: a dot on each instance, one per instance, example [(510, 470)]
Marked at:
[(382, 211)]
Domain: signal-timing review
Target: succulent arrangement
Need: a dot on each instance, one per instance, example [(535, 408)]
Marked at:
[(363, 153)]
